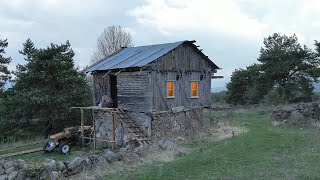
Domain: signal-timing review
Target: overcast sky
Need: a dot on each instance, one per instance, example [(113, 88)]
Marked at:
[(230, 32)]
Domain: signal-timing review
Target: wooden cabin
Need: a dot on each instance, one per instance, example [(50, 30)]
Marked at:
[(147, 82)]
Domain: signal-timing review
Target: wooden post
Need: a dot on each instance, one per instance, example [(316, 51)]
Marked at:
[(82, 133), (113, 132), (94, 130), (210, 116)]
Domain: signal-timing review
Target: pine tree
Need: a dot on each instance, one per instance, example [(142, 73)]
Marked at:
[(45, 88), (4, 61), (291, 66)]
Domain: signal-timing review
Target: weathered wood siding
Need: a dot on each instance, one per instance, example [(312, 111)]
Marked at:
[(185, 62), (101, 85), (134, 91)]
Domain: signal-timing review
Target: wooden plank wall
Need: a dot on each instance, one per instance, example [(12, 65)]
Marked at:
[(101, 85), (134, 91), (189, 65)]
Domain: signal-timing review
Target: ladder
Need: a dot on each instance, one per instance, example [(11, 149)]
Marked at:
[(135, 131)]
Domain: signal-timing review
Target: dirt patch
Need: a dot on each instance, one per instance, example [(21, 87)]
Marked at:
[(281, 158), (225, 130)]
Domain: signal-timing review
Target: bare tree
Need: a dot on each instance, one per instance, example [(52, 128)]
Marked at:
[(111, 40)]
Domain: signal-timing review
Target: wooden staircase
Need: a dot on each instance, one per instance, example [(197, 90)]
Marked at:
[(135, 131)]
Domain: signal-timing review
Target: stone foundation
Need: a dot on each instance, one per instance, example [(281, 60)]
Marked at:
[(103, 122), (176, 123), (185, 123)]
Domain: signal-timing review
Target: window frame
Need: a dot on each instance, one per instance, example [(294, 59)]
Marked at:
[(173, 89), (191, 89)]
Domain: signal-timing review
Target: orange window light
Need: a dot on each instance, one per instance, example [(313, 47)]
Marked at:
[(170, 89), (194, 89)]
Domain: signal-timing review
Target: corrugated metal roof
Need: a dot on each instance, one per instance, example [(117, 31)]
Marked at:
[(134, 57)]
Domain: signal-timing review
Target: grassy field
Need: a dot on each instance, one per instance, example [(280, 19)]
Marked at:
[(264, 152)]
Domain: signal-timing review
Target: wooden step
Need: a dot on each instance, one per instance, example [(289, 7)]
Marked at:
[(135, 127)]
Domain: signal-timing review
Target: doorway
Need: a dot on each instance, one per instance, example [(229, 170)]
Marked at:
[(114, 90)]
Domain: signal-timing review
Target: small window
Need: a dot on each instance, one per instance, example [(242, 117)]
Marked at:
[(170, 89), (194, 89)]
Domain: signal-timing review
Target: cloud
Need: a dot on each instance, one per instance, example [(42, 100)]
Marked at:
[(231, 32), (171, 16)]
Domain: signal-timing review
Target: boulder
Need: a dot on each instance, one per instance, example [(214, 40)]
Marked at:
[(155, 147), (139, 150), (88, 161), (22, 164), (99, 160), (61, 167), (76, 165), (295, 117), (4, 177), (167, 145), (119, 155), (2, 170), (12, 175), (109, 155), (10, 170), (8, 164), (44, 174), (22, 174), (51, 166), (54, 175)]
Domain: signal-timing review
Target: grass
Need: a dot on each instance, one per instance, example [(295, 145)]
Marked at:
[(264, 152), (40, 156)]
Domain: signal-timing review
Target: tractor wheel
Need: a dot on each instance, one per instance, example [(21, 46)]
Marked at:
[(48, 147), (64, 147)]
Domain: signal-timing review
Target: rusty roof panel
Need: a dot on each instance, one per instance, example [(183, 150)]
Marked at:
[(134, 56)]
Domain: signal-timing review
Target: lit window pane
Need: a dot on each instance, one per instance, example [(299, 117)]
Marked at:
[(194, 89), (170, 89)]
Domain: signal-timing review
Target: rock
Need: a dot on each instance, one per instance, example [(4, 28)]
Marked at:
[(76, 165), (12, 175), (180, 138), (88, 161), (21, 174), (51, 166), (55, 175), (3, 177), (44, 174), (295, 116), (61, 167), (2, 170), (155, 147), (119, 155), (167, 145), (8, 164), (109, 155), (22, 164), (123, 150), (10, 170), (139, 150), (279, 115), (100, 160)]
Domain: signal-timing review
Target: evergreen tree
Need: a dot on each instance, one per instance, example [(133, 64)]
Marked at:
[(248, 86), (4, 61), (291, 67), (45, 88)]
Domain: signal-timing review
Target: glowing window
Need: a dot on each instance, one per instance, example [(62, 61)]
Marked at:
[(170, 89), (194, 89)]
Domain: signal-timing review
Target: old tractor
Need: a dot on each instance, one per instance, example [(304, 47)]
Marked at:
[(70, 136)]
